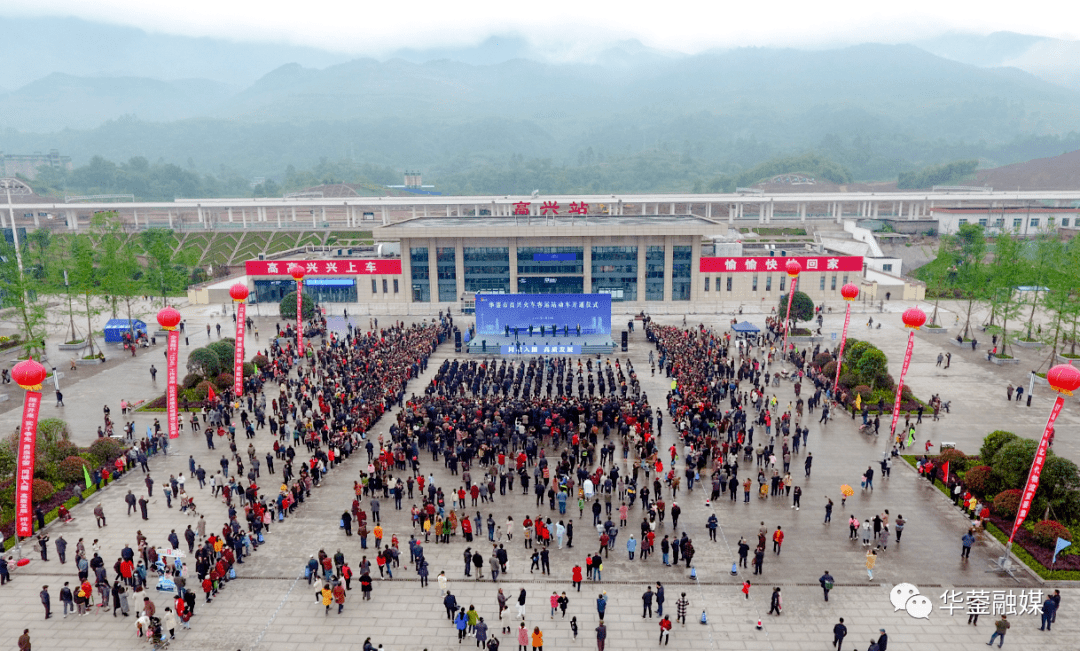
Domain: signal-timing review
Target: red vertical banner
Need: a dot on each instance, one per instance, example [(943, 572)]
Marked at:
[(238, 355), (1032, 484), (300, 317), (900, 384), (787, 323), (840, 355), (24, 474), (171, 407)]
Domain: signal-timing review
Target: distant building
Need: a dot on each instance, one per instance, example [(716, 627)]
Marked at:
[(413, 180), (27, 165)]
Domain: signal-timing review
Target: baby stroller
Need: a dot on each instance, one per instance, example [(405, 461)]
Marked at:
[(155, 634)]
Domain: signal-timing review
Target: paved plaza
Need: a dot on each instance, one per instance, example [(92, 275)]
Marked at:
[(271, 605)]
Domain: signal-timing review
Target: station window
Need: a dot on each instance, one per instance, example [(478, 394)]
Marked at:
[(822, 283), (395, 286), (753, 287), (1017, 223), (384, 286), (374, 286), (1034, 222), (729, 283), (783, 283), (706, 283), (886, 266), (833, 283), (768, 283)]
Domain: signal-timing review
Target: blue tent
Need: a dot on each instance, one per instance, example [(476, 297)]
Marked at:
[(745, 327), (115, 329)]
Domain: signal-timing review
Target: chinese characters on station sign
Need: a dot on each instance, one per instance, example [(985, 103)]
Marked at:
[(324, 267), (551, 208), (852, 263)]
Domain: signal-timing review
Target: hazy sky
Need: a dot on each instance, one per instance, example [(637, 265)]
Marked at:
[(563, 29)]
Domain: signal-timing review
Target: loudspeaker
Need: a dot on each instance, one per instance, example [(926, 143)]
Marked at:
[(625, 340), (457, 341)]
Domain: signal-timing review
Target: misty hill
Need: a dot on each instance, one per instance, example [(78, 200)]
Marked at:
[(41, 46), (875, 108), (1054, 173), (1052, 59)]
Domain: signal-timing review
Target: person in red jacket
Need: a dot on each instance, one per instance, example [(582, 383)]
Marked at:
[(575, 576), (777, 540), (665, 630)]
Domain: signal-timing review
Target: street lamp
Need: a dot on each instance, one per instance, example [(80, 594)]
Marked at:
[(18, 188)]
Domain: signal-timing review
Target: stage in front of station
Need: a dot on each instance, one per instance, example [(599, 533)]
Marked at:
[(523, 344)]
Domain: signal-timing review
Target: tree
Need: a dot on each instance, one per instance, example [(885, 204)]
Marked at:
[(1048, 253), (802, 307), (41, 241), (288, 306), (971, 275), (1009, 269), (20, 292), (167, 269), (938, 272), (83, 281)]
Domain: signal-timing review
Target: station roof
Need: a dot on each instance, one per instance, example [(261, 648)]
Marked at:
[(549, 226)]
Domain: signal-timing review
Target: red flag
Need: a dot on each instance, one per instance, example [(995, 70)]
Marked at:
[(210, 394), (238, 353), (945, 473)]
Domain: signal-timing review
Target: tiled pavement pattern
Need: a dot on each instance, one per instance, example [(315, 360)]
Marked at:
[(268, 608)]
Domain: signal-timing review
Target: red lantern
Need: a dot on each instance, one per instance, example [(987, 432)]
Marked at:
[(1062, 378), (850, 292), (793, 268), (297, 272), (168, 318), (238, 292), (914, 318), (29, 375)]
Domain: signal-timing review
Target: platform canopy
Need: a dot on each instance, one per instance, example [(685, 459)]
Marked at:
[(745, 327)]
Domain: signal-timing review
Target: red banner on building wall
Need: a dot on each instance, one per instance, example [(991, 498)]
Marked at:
[(850, 263), (24, 474), (171, 407), (1032, 484), (300, 317), (238, 353), (324, 267)]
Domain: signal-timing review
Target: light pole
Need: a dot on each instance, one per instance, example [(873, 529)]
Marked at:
[(19, 188)]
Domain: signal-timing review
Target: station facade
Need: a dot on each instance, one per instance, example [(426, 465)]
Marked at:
[(650, 263)]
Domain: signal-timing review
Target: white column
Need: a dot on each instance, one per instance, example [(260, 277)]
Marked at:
[(230, 215), (199, 208), (761, 213), (672, 209), (414, 211), (37, 220), (167, 211), (293, 213), (447, 210), (279, 216), (731, 213), (875, 204), (135, 214), (384, 220), (323, 217), (802, 212), (839, 211), (243, 217)]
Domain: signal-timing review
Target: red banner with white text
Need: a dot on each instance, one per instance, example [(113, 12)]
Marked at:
[(300, 317), (843, 340), (1032, 484), (900, 383), (238, 353), (386, 267), (171, 407), (24, 474), (759, 264), (789, 321)]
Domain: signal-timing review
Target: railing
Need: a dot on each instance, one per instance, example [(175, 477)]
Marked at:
[(95, 197)]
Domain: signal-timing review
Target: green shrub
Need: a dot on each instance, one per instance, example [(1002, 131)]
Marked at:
[(260, 361), (863, 391), (190, 380), (203, 362), (993, 442), (62, 450), (829, 369), (42, 490), (822, 359), (71, 469), (105, 450), (1007, 503), (1013, 462), (225, 349), (1047, 532), (957, 460), (287, 307), (979, 479)]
